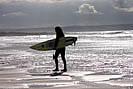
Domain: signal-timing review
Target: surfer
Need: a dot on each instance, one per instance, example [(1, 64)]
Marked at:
[(59, 34)]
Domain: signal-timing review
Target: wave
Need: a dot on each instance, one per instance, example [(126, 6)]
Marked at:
[(119, 32), (24, 33)]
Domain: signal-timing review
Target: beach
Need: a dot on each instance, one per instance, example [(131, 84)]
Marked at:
[(100, 60)]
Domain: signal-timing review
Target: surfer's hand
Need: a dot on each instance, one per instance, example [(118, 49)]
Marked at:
[(54, 48)]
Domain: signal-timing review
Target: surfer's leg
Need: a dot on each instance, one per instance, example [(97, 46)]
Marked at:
[(56, 60), (64, 60)]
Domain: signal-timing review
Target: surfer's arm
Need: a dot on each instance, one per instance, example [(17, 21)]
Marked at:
[(56, 43)]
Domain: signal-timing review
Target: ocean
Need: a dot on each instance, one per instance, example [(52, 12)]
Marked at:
[(102, 52)]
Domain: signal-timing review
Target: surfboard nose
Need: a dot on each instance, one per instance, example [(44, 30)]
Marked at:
[(35, 47), (32, 47)]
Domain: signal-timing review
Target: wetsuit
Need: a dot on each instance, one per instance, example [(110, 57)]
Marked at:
[(61, 51)]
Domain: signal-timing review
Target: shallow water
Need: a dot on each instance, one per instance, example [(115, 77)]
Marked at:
[(104, 52)]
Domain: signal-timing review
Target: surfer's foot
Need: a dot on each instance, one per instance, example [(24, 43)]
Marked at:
[(56, 70), (64, 70)]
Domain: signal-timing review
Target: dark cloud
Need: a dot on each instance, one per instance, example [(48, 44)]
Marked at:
[(123, 5)]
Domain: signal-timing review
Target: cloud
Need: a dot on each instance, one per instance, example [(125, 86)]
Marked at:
[(36, 1), (14, 14), (123, 5), (3, 1), (87, 9), (45, 1)]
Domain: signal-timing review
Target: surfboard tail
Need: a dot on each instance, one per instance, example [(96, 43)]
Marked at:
[(75, 41)]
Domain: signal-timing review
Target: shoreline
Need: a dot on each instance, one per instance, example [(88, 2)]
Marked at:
[(17, 33)]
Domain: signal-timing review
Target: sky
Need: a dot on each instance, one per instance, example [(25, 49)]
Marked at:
[(48, 13)]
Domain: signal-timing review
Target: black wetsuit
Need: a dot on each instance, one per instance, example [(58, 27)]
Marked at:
[(61, 51)]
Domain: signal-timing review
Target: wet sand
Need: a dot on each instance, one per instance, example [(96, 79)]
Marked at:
[(18, 78)]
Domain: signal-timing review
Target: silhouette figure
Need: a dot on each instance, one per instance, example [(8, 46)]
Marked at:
[(59, 34)]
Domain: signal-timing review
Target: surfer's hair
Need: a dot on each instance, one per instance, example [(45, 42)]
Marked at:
[(58, 29)]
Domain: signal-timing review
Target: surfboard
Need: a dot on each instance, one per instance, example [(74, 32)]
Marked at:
[(49, 45)]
